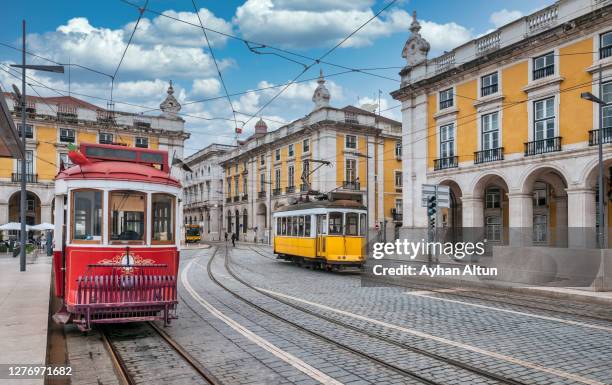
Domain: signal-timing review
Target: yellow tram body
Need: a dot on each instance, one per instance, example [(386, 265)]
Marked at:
[(324, 234)]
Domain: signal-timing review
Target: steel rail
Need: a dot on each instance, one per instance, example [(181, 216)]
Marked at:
[(450, 361)]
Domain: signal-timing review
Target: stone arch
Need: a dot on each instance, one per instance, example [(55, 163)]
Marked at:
[(480, 182), (451, 218), (33, 208), (533, 172)]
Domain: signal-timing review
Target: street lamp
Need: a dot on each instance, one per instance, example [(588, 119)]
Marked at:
[(21, 96), (592, 98)]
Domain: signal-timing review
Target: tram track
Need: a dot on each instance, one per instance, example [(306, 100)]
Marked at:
[(392, 367), (450, 361), (488, 297), (124, 370)]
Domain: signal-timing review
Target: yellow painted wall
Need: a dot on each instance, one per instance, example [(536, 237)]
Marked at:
[(46, 154), (362, 148), (432, 137), (283, 168), (575, 114), (466, 134), (391, 164), (515, 125), (339, 158)]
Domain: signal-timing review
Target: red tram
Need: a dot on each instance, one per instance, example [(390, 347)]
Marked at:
[(116, 249)]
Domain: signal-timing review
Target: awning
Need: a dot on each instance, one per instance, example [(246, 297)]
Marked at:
[(10, 144)]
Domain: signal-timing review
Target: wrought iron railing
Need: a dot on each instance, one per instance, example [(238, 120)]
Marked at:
[(30, 178), (236, 198), (543, 72), (245, 197), (290, 189), (543, 146), (444, 163), (276, 192), (351, 185), (490, 155), (606, 136), (303, 187), (397, 217), (261, 194), (228, 199)]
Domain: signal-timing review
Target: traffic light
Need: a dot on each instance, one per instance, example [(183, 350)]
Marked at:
[(431, 206), (432, 223)]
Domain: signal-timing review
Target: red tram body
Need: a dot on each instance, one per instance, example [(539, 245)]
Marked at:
[(116, 249)]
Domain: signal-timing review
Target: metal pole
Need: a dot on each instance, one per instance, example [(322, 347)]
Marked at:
[(367, 159), (601, 172), (22, 206)]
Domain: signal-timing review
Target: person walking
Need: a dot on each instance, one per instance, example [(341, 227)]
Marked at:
[(234, 239), (226, 237)]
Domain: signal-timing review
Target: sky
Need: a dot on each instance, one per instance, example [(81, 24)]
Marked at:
[(289, 35)]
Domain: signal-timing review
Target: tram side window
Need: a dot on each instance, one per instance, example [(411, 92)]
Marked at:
[(335, 223), (362, 224), (307, 225), (300, 232), (127, 216), (87, 216), (352, 223), (294, 226), (278, 226), (284, 225), (162, 207)]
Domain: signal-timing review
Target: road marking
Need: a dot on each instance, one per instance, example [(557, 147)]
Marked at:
[(425, 292), (503, 357), (569, 322), (264, 344)]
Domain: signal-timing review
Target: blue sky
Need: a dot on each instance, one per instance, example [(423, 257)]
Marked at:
[(94, 34)]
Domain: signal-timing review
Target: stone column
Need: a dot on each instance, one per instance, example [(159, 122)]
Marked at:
[(472, 218), (581, 208), (45, 213), (520, 218), (561, 228)]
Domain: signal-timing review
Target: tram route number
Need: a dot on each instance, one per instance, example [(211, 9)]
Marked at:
[(8, 371)]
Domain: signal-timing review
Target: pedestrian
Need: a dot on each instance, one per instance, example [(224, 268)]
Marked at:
[(226, 237), (234, 239)]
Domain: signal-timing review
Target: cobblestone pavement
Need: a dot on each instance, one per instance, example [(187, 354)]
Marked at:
[(555, 352), (90, 362)]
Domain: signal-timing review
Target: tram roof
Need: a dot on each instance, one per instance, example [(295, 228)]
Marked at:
[(113, 170), (337, 204)]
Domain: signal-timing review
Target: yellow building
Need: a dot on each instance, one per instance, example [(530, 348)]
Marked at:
[(350, 153), (55, 122), (500, 119)]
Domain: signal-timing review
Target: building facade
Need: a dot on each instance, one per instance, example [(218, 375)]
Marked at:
[(203, 190), (53, 123), (349, 153), (501, 121)]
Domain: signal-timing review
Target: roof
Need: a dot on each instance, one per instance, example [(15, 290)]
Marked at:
[(113, 170), (361, 111), (65, 100), (338, 204)]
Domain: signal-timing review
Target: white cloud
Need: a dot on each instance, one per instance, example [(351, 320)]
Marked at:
[(503, 17), (205, 87), (101, 48)]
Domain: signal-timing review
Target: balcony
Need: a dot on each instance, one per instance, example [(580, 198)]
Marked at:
[(276, 192), (261, 194), (290, 189), (30, 178), (490, 155), (488, 90), (605, 52), (303, 187), (354, 185), (236, 198), (397, 216), (543, 146), (594, 136), (444, 163), (245, 197), (543, 72)]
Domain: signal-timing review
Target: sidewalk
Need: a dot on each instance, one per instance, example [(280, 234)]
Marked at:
[(24, 300)]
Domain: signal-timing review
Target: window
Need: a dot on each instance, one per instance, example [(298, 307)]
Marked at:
[(65, 160), (236, 167), (105, 138), (488, 84), (30, 205), (244, 165), (278, 226), (262, 160), (490, 131), (544, 123), (277, 177), (447, 141), (29, 164), (606, 111), (162, 212), (307, 221), (141, 142), (446, 98), (335, 223), (350, 141), (543, 66), (540, 228), (244, 185), (305, 169), (398, 150), (362, 224), (398, 179), (493, 198), (262, 182), (229, 186), (67, 135), (493, 228), (245, 220), (605, 45), (29, 132), (236, 186), (398, 206), (294, 226), (277, 154), (351, 170), (290, 176), (352, 224), (87, 215), (540, 195), (306, 145), (290, 150), (127, 216), (300, 226)]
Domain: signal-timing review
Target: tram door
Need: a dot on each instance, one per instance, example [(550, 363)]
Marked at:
[(321, 233)]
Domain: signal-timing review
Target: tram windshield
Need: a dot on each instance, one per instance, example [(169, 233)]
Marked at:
[(87, 215), (127, 215), (162, 206)]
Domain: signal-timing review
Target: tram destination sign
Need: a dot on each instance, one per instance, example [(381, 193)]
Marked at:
[(442, 194)]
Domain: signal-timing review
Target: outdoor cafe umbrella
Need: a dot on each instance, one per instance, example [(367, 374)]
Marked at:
[(14, 226), (43, 226)]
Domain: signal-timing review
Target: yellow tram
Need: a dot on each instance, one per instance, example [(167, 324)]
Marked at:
[(322, 234)]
